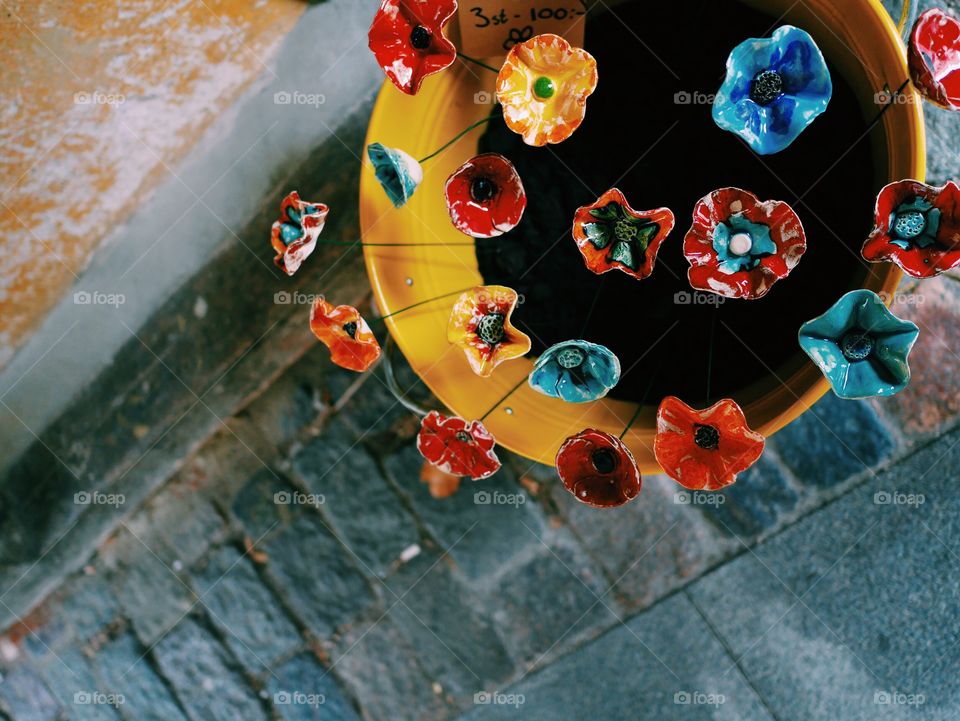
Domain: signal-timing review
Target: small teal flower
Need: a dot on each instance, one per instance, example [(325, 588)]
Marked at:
[(741, 244), (774, 89), (398, 173), (860, 346), (575, 371)]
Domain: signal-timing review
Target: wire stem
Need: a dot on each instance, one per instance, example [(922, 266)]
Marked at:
[(387, 245), (713, 334), (457, 137), (904, 16), (508, 394), (478, 62), (643, 399), (422, 302)]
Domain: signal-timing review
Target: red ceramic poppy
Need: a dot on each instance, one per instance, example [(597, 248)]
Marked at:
[(295, 235), (916, 226), (613, 236), (342, 329), (457, 447), (598, 469), (739, 247), (704, 450), (935, 58), (485, 196), (408, 41)]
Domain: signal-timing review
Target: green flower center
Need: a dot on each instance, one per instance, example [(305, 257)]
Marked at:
[(604, 460), (625, 230), (707, 437), (482, 189), (420, 37), (766, 87), (544, 88), (463, 437), (490, 328), (350, 329), (571, 358), (856, 345), (910, 224)]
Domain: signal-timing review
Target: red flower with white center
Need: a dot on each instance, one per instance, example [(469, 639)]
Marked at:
[(458, 447), (935, 58), (295, 235)]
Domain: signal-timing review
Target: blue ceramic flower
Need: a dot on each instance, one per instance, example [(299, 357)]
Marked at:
[(860, 346), (575, 371), (774, 89), (741, 244), (398, 173), (915, 222)]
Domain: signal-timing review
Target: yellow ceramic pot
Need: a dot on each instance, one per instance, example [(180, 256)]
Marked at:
[(858, 37)]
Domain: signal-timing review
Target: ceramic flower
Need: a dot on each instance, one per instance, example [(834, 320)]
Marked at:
[(935, 58), (860, 346), (399, 173), (543, 87), (408, 41), (704, 450), (480, 325), (295, 235), (457, 447), (613, 236), (575, 371), (774, 88), (916, 226), (598, 469), (344, 331), (739, 247), (485, 197)]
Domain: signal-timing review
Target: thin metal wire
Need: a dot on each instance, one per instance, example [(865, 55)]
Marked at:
[(391, 380)]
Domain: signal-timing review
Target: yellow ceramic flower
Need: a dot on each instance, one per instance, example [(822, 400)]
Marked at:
[(543, 87), (480, 324)]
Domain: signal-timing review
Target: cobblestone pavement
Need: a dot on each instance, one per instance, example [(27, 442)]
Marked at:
[(295, 567)]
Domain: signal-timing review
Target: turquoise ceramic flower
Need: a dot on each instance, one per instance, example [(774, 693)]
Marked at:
[(915, 222), (575, 371), (860, 346), (774, 89), (398, 173), (741, 244)]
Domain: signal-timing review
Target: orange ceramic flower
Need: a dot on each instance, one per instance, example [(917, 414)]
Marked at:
[(480, 324), (342, 329), (543, 87), (613, 236), (704, 450)]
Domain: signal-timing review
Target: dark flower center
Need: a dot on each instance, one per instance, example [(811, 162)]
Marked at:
[(463, 437), (482, 189), (350, 329), (625, 230), (604, 460), (570, 358), (856, 345), (707, 437), (490, 328), (420, 37), (909, 225), (766, 87)]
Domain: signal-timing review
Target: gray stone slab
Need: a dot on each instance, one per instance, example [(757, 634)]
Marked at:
[(71, 680), (302, 690), (852, 613), (24, 693)]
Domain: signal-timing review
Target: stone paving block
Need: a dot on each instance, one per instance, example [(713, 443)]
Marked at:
[(551, 602), (71, 680), (362, 507), (661, 665), (483, 525), (27, 697), (186, 522), (449, 625), (833, 441), (650, 546), (758, 502), (852, 612), (202, 673), (88, 603), (251, 620), (302, 690), (257, 508), (124, 666), (383, 669), (318, 576)]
